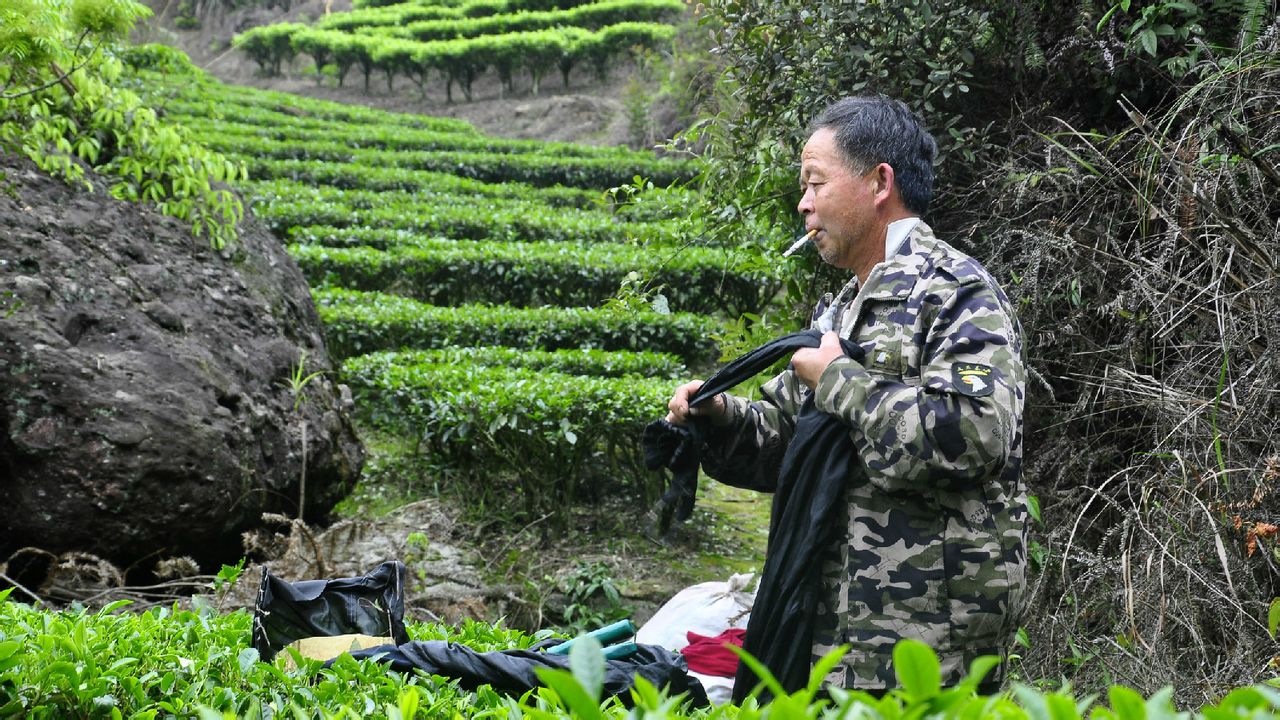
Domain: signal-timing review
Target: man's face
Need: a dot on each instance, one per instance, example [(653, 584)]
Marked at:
[(837, 203)]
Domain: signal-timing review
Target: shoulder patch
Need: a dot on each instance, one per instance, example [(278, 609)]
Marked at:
[(973, 379)]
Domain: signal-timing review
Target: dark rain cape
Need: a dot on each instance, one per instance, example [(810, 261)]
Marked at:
[(514, 672), (804, 520)]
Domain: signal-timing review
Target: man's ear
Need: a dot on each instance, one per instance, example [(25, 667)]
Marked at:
[(885, 183)]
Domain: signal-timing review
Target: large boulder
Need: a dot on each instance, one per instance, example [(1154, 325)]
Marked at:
[(146, 407)]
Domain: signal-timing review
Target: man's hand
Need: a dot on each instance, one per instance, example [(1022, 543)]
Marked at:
[(679, 410), (810, 362)]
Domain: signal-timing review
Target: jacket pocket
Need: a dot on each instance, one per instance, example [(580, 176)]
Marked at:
[(980, 595)]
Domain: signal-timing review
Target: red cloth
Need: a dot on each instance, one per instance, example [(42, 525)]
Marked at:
[(711, 655)]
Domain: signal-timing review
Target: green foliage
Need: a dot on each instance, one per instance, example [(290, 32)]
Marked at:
[(569, 361), (171, 662), (451, 272), (285, 205), (298, 379), (593, 16), (161, 59), (1175, 34), (529, 438), (458, 58), (536, 169), (236, 118), (358, 322), (202, 96), (62, 107), (592, 600), (793, 58), (178, 663)]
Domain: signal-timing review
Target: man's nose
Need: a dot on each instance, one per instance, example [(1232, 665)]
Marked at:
[(805, 206)]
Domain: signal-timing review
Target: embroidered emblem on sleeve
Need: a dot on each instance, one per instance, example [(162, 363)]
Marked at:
[(972, 379)]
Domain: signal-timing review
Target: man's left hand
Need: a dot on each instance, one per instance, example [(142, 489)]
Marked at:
[(810, 362)]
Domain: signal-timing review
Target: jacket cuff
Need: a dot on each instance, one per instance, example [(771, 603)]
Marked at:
[(735, 409)]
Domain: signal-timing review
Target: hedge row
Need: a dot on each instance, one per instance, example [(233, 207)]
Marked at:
[(399, 184), (599, 363), (449, 272), (558, 438), (206, 96), (399, 12), (283, 205), (459, 61), (362, 322), (292, 129), (541, 170), (591, 16), (416, 184)]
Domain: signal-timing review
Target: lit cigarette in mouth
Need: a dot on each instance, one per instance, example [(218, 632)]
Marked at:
[(800, 241)]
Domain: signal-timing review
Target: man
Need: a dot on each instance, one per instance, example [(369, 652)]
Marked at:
[(936, 508)]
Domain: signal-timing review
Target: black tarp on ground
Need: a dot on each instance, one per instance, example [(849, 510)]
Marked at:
[(514, 672)]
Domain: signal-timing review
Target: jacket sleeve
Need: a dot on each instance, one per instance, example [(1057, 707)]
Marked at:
[(952, 428), (746, 449)]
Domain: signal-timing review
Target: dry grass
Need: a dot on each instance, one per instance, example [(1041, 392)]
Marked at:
[(1146, 267)]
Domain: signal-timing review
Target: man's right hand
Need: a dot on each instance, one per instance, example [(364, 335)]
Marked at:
[(679, 410)]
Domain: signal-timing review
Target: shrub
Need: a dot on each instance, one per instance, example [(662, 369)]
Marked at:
[(454, 272), (360, 322), (556, 438), (64, 121)]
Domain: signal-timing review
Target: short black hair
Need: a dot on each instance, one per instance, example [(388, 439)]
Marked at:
[(874, 129)]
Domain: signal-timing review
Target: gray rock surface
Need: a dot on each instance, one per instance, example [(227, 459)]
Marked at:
[(145, 408)]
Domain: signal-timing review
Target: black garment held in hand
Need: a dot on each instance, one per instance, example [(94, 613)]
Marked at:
[(803, 522)]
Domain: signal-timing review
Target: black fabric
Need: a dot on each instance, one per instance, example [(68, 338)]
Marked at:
[(678, 448), (804, 521), (513, 672), (372, 604)]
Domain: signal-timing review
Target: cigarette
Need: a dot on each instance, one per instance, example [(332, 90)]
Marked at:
[(800, 241)]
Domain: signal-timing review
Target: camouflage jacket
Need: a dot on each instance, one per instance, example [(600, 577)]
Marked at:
[(936, 512)]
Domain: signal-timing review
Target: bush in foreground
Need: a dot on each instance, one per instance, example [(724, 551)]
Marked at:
[(197, 663)]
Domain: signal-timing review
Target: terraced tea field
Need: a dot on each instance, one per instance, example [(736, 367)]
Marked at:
[(468, 283)]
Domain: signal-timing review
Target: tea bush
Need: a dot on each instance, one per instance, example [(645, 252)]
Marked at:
[(172, 662), (450, 272)]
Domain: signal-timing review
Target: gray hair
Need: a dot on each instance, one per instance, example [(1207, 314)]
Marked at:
[(875, 129)]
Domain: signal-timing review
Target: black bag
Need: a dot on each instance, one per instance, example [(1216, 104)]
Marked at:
[(369, 605)]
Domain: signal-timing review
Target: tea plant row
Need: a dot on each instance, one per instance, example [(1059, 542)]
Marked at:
[(536, 169), (451, 216), (457, 61), (359, 322), (518, 421), (591, 16), (507, 244), (450, 272), (399, 12)]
